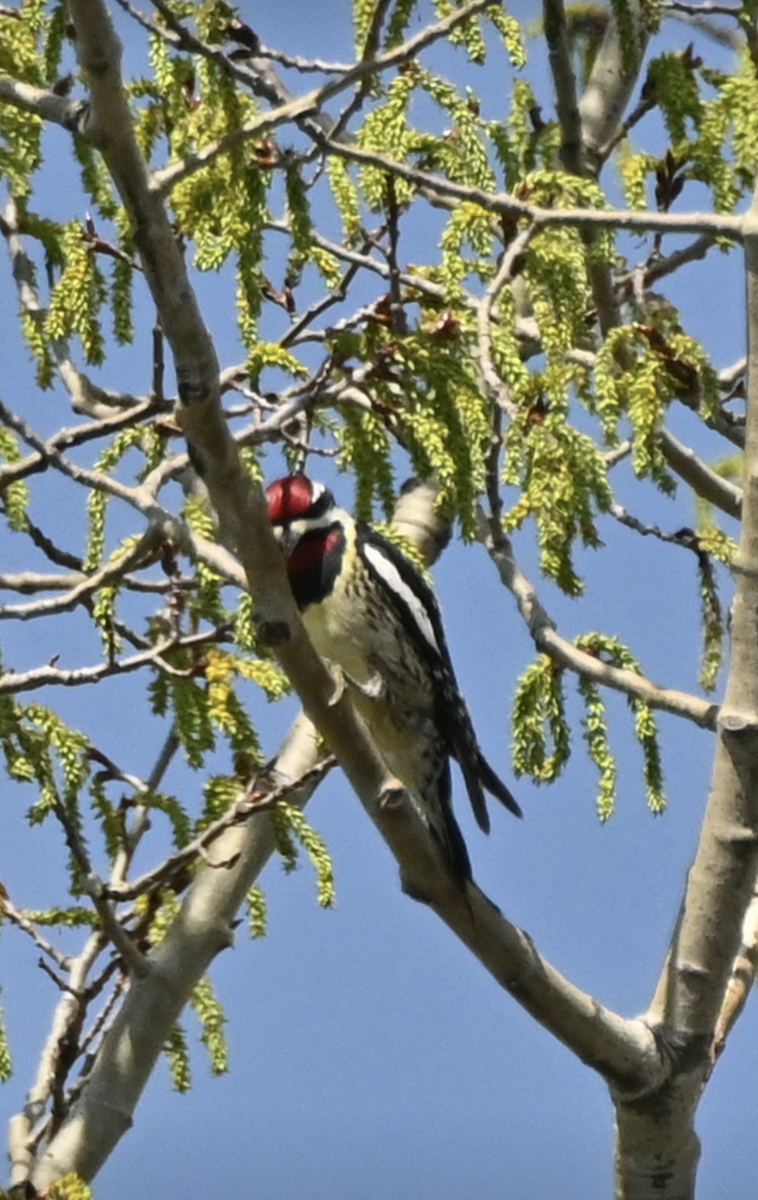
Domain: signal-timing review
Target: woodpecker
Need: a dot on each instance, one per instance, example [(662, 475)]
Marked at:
[(369, 610)]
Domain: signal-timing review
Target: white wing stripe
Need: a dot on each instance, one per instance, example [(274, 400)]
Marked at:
[(387, 571)]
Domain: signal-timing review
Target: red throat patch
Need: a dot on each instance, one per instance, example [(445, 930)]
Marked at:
[(309, 554)]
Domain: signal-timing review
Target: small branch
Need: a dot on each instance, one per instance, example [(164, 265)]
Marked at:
[(613, 457), (305, 66), (144, 552), (135, 963), (335, 296), (11, 684), (41, 103), (503, 204), (687, 538), (16, 916), (491, 381), (662, 265), (137, 497), (77, 435), (701, 478), (740, 983), (730, 375), (559, 55), (94, 888), (251, 803), (542, 629), (706, 8), (140, 822), (53, 553), (67, 1014)]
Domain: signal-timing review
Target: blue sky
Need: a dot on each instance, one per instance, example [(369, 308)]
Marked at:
[(370, 1054)]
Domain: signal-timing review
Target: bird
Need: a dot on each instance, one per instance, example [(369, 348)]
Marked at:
[(368, 609)]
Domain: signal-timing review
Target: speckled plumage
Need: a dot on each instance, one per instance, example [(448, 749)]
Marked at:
[(368, 609)]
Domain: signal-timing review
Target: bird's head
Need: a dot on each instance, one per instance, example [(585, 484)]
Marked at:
[(310, 529)]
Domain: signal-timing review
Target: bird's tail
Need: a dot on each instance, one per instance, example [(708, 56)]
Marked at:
[(479, 777)]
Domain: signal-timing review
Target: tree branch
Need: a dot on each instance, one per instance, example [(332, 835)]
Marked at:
[(41, 103), (505, 204), (546, 638), (689, 998), (612, 80), (12, 683), (701, 478), (559, 54)]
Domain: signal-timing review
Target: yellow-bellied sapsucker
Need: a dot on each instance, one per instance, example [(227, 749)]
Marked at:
[(369, 610)]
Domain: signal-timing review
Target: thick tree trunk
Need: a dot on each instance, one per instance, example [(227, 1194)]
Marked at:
[(657, 1149)]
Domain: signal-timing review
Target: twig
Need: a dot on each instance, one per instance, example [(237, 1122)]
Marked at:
[(546, 638), (704, 481), (686, 538), (559, 55), (249, 804), (16, 916), (12, 683), (491, 381), (144, 552), (68, 1012)]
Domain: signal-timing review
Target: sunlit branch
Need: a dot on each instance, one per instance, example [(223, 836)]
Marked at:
[(42, 103), (12, 683), (559, 54), (730, 375), (144, 551), (547, 639), (309, 105), (583, 218), (741, 981), (248, 806), (493, 384), (701, 478), (67, 1013)]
